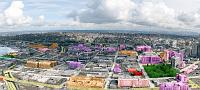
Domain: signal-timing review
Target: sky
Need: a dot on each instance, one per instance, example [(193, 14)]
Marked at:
[(100, 14)]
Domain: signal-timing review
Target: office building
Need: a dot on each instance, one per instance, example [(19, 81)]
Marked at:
[(144, 48), (150, 59)]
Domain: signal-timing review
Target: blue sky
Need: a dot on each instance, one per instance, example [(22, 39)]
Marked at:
[(52, 9), (99, 14)]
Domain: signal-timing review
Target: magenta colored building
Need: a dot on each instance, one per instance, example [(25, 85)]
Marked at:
[(80, 47), (135, 83), (150, 59), (98, 47), (144, 48), (110, 49), (182, 78), (122, 46), (181, 84), (175, 54), (174, 86), (170, 54), (43, 49), (74, 65), (117, 68)]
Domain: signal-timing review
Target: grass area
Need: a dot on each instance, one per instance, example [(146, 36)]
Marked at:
[(8, 56), (160, 70)]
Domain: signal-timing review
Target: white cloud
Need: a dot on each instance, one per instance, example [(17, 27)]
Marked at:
[(41, 18), (146, 13), (188, 18), (183, 5), (40, 21), (157, 14), (192, 19), (106, 11), (13, 15)]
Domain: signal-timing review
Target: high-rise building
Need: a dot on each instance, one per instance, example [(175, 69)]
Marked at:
[(194, 50), (188, 51), (177, 62), (174, 43), (174, 61), (198, 50)]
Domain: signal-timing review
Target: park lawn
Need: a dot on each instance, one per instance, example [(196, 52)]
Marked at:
[(160, 70), (8, 56)]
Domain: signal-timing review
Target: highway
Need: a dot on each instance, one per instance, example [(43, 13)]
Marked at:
[(10, 84)]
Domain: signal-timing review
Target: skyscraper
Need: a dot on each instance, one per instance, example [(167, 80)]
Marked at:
[(198, 50), (194, 51)]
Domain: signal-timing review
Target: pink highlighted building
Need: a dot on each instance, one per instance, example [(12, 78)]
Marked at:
[(137, 83), (150, 59), (122, 46), (117, 68), (176, 58), (110, 49), (125, 83), (174, 86), (144, 48), (80, 47), (43, 49), (175, 54), (181, 84), (182, 78), (74, 65)]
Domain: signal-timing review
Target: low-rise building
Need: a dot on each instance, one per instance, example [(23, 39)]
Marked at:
[(45, 64), (32, 63), (139, 83), (128, 53), (174, 86), (144, 48), (74, 65), (150, 59), (91, 82)]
